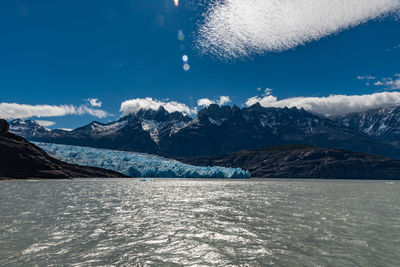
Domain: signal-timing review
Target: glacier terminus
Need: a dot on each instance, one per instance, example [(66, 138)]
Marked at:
[(137, 164)]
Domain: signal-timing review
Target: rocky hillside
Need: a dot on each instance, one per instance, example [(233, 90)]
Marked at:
[(22, 159), (301, 161)]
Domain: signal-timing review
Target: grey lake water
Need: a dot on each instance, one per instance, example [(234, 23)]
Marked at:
[(172, 222)]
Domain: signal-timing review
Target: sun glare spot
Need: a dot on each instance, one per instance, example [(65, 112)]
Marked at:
[(181, 36), (186, 67)]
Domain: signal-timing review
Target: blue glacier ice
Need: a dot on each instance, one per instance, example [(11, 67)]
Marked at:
[(137, 164)]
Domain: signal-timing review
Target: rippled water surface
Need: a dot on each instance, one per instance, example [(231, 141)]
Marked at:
[(171, 222)]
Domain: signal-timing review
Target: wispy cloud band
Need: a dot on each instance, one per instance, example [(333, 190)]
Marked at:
[(14, 110), (333, 105), (237, 28)]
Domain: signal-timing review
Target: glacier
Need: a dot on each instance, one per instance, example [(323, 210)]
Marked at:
[(137, 164)]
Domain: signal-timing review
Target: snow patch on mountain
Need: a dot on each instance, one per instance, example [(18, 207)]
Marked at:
[(156, 128), (216, 122), (106, 129), (28, 128)]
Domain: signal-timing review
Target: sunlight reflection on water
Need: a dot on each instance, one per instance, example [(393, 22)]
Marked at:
[(199, 222)]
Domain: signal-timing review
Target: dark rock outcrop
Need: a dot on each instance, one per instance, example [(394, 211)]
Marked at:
[(302, 161), (22, 159), (4, 127)]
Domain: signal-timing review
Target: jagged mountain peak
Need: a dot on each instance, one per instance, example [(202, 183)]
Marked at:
[(160, 115), (216, 112), (382, 123), (256, 106), (28, 128), (285, 110), (19, 122)]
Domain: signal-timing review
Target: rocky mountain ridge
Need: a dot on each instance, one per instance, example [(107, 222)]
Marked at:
[(218, 130), (383, 123)]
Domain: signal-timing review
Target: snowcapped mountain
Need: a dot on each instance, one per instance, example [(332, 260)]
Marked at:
[(220, 130), (30, 129), (383, 123), (161, 124), (125, 134), (141, 131), (27, 128)]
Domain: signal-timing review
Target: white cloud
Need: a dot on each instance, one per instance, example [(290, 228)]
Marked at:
[(268, 91), (394, 48), (237, 28), (94, 102), (204, 102), (223, 100), (45, 123), (148, 103), (66, 129), (333, 105), (366, 77), (14, 111), (265, 101), (389, 83)]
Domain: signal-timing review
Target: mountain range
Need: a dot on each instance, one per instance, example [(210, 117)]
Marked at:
[(218, 130)]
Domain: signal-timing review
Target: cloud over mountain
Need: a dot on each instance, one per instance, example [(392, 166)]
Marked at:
[(333, 105), (14, 110), (237, 28), (148, 103), (45, 123), (204, 102)]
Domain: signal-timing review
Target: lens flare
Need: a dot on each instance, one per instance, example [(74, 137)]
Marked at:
[(186, 67), (185, 58), (181, 36), (176, 2)]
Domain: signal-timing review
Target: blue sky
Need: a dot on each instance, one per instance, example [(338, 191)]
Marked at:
[(62, 53)]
